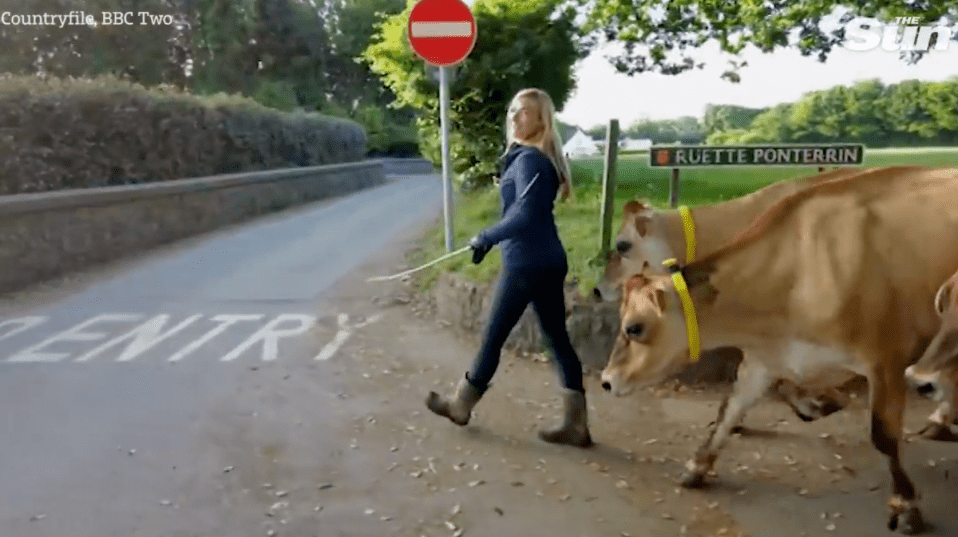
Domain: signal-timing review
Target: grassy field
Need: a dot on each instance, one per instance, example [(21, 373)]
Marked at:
[(578, 217)]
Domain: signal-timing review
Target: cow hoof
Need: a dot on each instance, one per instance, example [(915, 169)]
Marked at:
[(692, 480), (909, 521), (939, 432)]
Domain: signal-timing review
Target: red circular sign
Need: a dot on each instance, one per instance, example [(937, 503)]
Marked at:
[(441, 32)]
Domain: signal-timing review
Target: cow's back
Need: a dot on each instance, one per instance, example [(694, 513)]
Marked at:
[(879, 251)]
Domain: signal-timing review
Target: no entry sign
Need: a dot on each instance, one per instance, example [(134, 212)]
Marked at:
[(442, 32)]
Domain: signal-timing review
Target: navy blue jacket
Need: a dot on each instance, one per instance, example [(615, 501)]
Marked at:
[(527, 231)]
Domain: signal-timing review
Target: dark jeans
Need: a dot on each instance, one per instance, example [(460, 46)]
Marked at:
[(544, 289)]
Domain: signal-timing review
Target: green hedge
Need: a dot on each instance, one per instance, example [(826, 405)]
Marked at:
[(81, 133)]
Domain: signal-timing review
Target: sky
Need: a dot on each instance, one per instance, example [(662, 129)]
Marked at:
[(768, 79)]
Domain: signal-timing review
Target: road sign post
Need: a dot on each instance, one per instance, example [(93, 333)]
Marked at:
[(447, 203), (443, 33), (712, 156)]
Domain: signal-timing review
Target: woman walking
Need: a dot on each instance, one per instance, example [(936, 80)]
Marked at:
[(534, 174)]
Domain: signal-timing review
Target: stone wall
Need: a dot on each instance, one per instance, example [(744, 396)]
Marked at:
[(463, 305), (407, 166), (49, 234)]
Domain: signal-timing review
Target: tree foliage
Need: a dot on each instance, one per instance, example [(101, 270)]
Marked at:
[(521, 43), (286, 54), (664, 36), (910, 113), (686, 130)]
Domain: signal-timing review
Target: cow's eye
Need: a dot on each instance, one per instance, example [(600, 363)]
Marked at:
[(635, 330)]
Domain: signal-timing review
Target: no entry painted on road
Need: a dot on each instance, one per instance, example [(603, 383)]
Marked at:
[(442, 32), (129, 343)]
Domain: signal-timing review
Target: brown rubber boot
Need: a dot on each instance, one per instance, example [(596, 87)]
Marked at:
[(458, 408), (574, 430)]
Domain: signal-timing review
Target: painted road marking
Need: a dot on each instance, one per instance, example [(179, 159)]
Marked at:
[(149, 332), (342, 335), (270, 336), (144, 337), (25, 323), (73, 334), (227, 320)]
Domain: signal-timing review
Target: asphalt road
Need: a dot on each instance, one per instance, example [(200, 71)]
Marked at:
[(126, 400)]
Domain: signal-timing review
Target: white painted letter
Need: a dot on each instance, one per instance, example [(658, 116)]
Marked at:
[(270, 336), (25, 323), (342, 335), (227, 320), (73, 334), (143, 338)]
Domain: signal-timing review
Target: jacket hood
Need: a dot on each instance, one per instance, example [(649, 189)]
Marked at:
[(514, 151)]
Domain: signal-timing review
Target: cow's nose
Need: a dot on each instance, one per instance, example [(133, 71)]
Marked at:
[(623, 246), (606, 386)]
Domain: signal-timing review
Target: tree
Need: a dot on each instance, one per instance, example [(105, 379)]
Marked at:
[(521, 43), (143, 55), (723, 117), (664, 37), (597, 131), (351, 26), (221, 46), (864, 105)]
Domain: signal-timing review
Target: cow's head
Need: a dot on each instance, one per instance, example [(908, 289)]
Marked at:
[(640, 248), (939, 363), (609, 289), (652, 343)]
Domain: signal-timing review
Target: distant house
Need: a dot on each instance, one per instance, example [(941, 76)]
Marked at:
[(580, 144), (633, 144)]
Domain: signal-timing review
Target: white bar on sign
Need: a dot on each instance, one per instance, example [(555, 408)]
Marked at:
[(441, 29)]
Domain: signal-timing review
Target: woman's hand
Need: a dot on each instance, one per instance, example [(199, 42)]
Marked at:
[(479, 249)]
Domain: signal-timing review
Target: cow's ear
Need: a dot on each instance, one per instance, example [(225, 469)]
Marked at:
[(943, 297), (658, 297), (633, 207), (642, 224)]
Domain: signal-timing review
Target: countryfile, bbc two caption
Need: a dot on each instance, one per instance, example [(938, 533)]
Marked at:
[(82, 18)]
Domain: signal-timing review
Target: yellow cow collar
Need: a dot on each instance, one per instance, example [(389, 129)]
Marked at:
[(691, 324), (689, 226)]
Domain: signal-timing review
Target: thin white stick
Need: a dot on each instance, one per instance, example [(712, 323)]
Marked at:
[(429, 264)]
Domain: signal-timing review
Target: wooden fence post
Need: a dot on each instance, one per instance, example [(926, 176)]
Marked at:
[(674, 189), (608, 184)]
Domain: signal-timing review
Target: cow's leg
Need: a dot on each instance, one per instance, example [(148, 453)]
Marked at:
[(806, 405), (752, 384), (887, 384)]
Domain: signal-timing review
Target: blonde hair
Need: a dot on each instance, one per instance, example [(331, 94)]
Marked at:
[(546, 138)]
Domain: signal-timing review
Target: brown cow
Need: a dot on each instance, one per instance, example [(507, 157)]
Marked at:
[(808, 402), (936, 372), (837, 276), (649, 236)]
